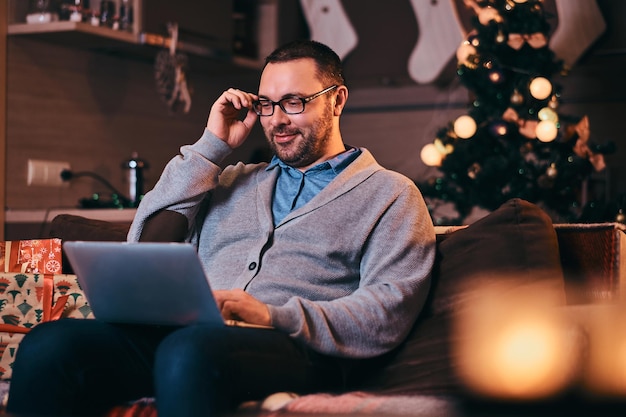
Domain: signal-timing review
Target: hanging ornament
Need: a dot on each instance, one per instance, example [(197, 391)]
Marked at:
[(487, 15), (517, 98), (496, 76), (582, 133), (474, 170), (554, 102), (552, 172), (548, 114), (473, 39), (620, 217), (500, 37), (465, 127), (546, 131), (540, 88), (431, 156), (498, 128), (464, 53)]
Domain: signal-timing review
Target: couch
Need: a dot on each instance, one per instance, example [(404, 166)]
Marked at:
[(512, 252)]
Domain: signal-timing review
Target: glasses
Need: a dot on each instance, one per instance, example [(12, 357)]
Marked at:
[(289, 105)]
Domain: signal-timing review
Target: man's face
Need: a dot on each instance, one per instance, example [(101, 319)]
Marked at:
[(300, 140)]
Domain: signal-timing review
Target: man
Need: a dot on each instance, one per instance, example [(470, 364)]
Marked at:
[(323, 244)]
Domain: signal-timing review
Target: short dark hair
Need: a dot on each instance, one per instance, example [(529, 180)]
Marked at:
[(329, 67)]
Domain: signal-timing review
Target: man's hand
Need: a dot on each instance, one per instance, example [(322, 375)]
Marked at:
[(224, 119), (239, 305)]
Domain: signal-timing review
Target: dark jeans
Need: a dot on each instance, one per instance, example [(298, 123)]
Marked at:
[(85, 367)]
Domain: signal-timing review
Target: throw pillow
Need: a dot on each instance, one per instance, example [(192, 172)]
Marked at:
[(514, 247)]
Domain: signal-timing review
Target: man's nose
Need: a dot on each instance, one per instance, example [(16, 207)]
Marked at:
[(279, 117)]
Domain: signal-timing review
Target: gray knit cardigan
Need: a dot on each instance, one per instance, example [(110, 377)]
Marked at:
[(347, 273)]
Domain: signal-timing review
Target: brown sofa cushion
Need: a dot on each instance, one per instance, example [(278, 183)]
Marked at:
[(70, 227), (164, 226), (515, 246)]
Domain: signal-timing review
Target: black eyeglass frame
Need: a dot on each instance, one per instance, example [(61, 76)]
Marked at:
[(278, 103)]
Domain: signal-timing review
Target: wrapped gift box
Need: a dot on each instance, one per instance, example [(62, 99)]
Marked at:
[(33, 290), (37, 256), (9, 343)]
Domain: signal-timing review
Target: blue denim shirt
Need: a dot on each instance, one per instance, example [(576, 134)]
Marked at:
[(295, 188)]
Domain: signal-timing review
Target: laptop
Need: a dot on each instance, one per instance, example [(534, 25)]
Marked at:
[(145, 283)]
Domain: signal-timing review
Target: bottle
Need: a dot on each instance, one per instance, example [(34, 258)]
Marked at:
[(135, 167), (126, 15)]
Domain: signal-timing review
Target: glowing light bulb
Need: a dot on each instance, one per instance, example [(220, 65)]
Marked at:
[(465, 127), (514, 348), (548, 114), (546, 131), (540, 88), (431, 156)]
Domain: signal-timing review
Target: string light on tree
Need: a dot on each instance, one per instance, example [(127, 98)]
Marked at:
[(540, 88), (431, 156), (546, 130), (465, 127), (548, 114)]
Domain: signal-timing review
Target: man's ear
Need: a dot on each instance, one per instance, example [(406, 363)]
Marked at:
[(340, 99)]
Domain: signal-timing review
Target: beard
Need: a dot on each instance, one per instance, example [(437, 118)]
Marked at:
[(308, 146)]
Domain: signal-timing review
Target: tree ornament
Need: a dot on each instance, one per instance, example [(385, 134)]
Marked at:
[(546, 131), (498, 128), (517, 98), (474, 170), (554, 102), (488, 14), (540, 88), (500, 37), (464, 52), (496, 76), (620, 217), (548, 114), (473, 39), (552, 172), (465, 127)]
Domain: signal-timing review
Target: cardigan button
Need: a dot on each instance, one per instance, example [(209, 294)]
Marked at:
[(252, 266)]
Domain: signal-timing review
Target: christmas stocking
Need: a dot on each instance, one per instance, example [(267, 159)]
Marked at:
[(580, 24), (440, 34), (330, 25)]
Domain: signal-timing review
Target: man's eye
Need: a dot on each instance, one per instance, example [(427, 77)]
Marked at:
[(292, 102), (265, 104)]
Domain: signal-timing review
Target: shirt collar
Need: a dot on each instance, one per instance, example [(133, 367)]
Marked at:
[(337, 164)]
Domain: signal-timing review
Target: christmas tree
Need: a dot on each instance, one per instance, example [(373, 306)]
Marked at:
[(513, 141)]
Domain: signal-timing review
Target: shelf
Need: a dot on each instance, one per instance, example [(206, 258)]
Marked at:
[(76, 27), (40, 216), (98, 37)]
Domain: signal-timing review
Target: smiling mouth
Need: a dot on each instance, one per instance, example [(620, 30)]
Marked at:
[(284, 137)]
